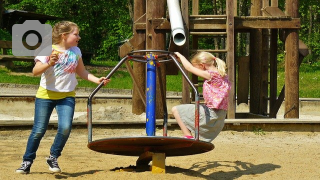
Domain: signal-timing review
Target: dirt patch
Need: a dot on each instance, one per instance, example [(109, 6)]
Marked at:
[(237, 155)]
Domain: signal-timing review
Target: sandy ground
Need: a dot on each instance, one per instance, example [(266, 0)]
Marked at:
[(237, 155)]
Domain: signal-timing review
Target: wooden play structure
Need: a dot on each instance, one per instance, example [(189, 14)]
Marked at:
[(253, 85)]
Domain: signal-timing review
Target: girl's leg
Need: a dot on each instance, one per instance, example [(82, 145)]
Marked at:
[(43, 110), (65, 110), (183, 127)]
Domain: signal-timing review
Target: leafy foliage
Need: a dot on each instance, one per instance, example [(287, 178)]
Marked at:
[(105, 24), (102, 23)]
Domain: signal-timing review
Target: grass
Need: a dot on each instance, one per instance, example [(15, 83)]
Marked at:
[(309, 77)]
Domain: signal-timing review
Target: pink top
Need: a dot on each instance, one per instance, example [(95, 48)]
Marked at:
[(216, 90)]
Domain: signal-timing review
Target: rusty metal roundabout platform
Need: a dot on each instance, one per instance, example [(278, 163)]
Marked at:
[(135, 146)]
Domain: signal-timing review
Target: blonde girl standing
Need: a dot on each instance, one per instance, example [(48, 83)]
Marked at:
[(56, 91)]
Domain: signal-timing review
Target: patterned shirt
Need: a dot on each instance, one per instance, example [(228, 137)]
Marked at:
[(216, 90), (62, 76)]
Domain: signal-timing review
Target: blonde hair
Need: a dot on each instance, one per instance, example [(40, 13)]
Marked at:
[(62, 27), (209, 59)]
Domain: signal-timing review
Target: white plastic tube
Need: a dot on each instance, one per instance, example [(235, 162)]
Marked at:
[(177, 29)]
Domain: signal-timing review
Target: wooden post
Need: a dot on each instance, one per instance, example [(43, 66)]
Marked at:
[(264, 66), (255, 61), (139, 69), (235, 7), (273, 67), (292, 64), (274, 3), (185, 16), (195, 41), (155, 40), (230, 60)]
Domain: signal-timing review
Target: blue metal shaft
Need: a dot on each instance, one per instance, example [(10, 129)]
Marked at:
[(151, 95)]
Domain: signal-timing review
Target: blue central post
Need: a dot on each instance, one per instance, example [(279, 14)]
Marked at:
[(151, 95)]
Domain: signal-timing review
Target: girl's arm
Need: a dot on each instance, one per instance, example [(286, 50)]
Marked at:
[(40, 67), (189, 67), (84, 74)]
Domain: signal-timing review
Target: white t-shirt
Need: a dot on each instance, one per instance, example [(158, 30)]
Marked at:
[(62, 76)]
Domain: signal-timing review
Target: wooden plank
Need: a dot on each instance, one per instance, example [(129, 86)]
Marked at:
[(303, 48), (273, 11), (6, 44), (264, 72), (135, 81), (155, 39), (273, 73), (209, 16), (292, 74), (185, 16), (265, 3), (275, 108), (292, 64), (195, 7), (207, 24), (210, 50), (230, 59), (241, 23), (274, 3), (243, 79), (208, 33), (255, 61), (293, 23), (138, 42), (16, 58)]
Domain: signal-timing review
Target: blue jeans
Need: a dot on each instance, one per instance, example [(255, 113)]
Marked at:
[(43, 110)]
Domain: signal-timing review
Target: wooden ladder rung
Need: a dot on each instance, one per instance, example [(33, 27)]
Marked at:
[(209, 16), (208, 33), (210, 50)]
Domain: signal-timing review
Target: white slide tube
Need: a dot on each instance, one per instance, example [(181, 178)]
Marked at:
[(177, 29)]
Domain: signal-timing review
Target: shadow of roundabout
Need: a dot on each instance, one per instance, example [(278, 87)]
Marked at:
[(223, 169), (65, 175), (206, 170)]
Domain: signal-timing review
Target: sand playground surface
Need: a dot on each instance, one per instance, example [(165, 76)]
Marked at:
[(242, 154), (237, 155)]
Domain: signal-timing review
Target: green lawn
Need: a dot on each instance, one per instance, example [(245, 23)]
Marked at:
[(309, 78)]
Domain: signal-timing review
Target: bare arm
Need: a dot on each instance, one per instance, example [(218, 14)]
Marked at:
[(84, 74), (40, 67), (189, 67)]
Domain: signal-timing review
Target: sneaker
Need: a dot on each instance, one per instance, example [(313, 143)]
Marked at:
[(188, 137), (25, 167), (53, 164)]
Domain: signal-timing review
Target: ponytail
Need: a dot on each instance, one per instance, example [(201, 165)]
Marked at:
[(221, 66)]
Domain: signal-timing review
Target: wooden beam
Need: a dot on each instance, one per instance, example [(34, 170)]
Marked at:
[(255, 61), (240, 23), (195, 7), (185, 16), (243, 79), (155, 9), (267, 23), (273, 11), (274, 3), (292, 64), (273, 73), (230, 60), (138, 42)]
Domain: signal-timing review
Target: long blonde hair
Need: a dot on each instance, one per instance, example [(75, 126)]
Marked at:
[(62, 27), (209, 59)]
